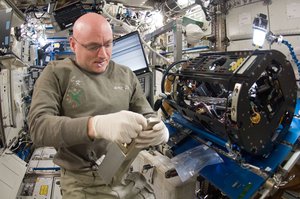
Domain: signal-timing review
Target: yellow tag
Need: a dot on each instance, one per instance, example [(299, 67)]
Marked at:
[(44, 190), (56, 45), (236, 64)]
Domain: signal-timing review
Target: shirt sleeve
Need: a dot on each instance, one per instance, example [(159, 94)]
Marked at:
[(47, 126)]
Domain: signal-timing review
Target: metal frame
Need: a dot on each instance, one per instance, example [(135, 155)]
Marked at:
[(176, 27)]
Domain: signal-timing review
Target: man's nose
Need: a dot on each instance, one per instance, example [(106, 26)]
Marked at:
[(102, 52)]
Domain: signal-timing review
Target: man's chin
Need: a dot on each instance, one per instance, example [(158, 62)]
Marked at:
[(100, 68)]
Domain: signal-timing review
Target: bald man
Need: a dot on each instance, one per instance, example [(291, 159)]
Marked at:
[(79, 106)]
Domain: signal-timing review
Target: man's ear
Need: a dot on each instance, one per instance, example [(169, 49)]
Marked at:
[(72, 43)]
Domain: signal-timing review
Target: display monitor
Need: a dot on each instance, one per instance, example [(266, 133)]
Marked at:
[(5, 26), (128, 50), (65, 15)]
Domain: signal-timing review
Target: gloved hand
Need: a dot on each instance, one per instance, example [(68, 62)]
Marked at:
[(157, 135), (120, 127)]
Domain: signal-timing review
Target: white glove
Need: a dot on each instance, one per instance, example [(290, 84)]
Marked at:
[(157, 135), (120, 127)]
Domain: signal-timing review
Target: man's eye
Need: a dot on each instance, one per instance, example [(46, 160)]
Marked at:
[(93, 47), (108, 45)]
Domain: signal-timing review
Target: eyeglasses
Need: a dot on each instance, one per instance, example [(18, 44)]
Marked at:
[(94, 47)]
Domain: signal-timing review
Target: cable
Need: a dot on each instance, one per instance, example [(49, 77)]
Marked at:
[(166, 73), (293, 54)]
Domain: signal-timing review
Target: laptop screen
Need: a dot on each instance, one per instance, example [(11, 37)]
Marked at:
[(128, 50)]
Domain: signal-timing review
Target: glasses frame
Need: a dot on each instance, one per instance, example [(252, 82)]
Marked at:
[(94, 47)]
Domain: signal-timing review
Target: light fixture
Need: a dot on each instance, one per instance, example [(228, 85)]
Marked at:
[(260, 34), (259, 29)]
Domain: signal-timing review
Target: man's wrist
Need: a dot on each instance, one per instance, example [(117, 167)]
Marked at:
[(90, 129)]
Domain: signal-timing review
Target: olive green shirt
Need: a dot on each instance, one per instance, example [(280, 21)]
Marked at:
[(66, 96)]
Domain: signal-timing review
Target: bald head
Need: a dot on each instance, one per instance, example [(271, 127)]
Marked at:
[(91, 23), (92, 42)]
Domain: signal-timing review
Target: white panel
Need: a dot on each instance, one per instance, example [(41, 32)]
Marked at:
[(43, 158), (285, 17), (42, 188), (239, 20), (6, 97), (244, 45), (36, 187), (12, 170), (56, 192), (13, 88)]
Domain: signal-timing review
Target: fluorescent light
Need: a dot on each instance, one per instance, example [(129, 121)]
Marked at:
[(259, 29), (259, 36)]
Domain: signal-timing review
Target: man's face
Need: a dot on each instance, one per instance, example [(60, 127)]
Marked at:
[(93, 51)]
